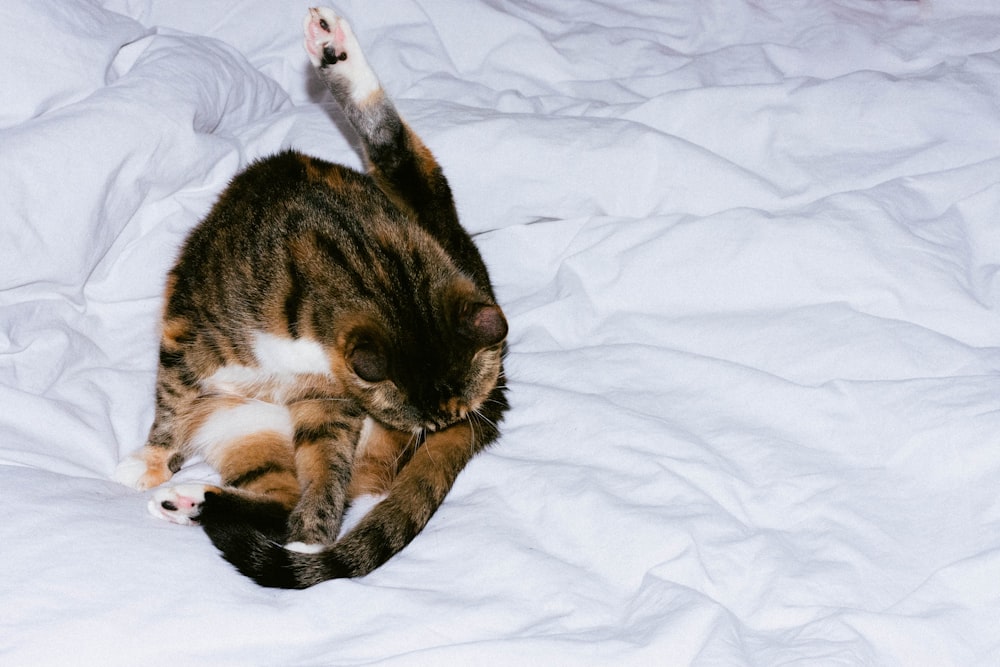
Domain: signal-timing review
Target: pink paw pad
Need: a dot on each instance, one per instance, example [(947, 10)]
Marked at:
[(325, 37), (178, 504)]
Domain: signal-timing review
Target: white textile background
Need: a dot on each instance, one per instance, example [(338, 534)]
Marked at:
[(749, 252)]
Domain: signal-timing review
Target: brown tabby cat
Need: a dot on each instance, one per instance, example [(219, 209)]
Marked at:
[(326, 335)]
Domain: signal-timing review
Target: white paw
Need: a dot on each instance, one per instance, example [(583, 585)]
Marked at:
[(327, 37), (334, 50), (131, 471), (303, 548), (179, 504)]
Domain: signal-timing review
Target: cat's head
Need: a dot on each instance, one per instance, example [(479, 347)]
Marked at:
[(426, 365)]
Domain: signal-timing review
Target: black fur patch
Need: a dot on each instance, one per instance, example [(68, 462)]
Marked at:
[(331, 57)]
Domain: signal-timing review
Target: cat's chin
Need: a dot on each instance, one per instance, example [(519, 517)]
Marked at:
[(411, 426), (419, 429)]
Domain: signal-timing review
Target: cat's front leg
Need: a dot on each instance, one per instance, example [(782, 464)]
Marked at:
[(148, 467), (325, 440), (162, 455), (398, 160), (180, 504)]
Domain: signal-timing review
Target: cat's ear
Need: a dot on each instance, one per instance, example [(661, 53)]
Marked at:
[(483, 324)]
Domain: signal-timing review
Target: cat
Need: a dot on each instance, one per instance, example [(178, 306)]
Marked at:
[(328, 336)]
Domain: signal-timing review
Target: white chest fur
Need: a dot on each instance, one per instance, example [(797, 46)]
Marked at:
[(280, 363), (284, 356)]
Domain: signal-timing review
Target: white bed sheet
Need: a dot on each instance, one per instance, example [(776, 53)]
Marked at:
[(749, 252)]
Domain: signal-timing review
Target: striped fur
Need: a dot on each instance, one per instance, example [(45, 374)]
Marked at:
[(327, 334)]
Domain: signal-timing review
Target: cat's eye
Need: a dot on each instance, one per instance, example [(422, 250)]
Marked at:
[(369, 364)]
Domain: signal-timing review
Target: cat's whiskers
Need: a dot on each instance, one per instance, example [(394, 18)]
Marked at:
[(390, 472), (429, 450), (479, 415), (415, 441), (484, 420), (472, 431)]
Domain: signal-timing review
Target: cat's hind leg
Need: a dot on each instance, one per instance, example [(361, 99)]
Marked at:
[(285, 470), (402, 166), (336, 54), (250, 444), (164, 452)]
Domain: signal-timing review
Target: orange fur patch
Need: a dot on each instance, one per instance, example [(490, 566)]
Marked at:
[(434, 467), (375, 97), (326, 173), (158, 471), (174, 329), (309, 413), (268, 451), (311, 463), (377, 461), (426, 161)]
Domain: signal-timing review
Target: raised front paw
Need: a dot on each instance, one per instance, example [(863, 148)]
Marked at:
[(179, 504)]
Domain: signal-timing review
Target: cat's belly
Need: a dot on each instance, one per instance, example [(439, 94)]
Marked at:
[(241, 422), (250, 403), (242, 402)]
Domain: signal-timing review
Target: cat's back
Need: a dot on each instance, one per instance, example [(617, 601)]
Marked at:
[(291, 192), (289, 225), (249, 235)]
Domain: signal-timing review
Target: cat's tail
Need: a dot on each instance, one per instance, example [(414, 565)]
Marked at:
[(252, 536)]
